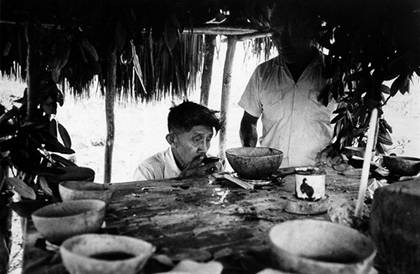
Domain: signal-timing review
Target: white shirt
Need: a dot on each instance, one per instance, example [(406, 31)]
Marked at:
[(162, 165), (292, 118)]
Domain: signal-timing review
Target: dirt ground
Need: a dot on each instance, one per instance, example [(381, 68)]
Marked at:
[(140, 128)]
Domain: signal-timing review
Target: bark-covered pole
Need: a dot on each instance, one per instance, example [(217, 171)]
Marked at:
[(224, 106), (109, 113), (209, 43), (5, 221), (32, 70)]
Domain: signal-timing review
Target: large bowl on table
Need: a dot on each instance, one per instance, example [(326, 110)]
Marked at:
[(78, 190), (105, 254), (59, 221), (254, 162), (401, 165), (320, 247)]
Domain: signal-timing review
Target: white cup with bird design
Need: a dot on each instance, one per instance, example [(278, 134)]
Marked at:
[(310, 185)]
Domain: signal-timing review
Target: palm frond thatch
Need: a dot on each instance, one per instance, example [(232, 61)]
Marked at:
[(75, 37), (155, 58)]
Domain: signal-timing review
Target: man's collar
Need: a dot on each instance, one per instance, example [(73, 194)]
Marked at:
[(317, 59), (173, 160)]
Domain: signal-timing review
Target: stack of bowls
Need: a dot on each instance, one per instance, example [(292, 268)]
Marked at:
[(71, 223)]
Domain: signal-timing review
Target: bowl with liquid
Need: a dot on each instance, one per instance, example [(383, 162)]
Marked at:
[(320, 247), (254, 163), (77, 190), (59, 221), (105, 254), (401, 165)]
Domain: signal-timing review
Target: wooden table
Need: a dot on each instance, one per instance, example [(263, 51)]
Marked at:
[(195, 218)]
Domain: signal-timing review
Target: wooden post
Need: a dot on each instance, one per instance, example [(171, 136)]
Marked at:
[(109, 113), (366, 162), (209, 41), (32, 70), (395, 227), (224, 106), (5, 220)]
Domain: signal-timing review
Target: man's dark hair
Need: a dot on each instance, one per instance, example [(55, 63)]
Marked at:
[(188, 114), (296, 13)]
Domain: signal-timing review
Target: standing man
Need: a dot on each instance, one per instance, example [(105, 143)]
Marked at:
[(284, 90), (191, 127)]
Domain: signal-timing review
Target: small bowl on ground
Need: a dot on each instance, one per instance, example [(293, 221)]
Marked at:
[(320, 247), (105, 254), (402, 165), (59, 221), (77, 190), (254, 162)]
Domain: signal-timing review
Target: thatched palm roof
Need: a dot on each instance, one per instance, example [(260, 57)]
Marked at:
[(75, 37)]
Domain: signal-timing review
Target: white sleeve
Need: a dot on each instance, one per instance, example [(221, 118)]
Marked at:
[(250, 100), (143, 172)]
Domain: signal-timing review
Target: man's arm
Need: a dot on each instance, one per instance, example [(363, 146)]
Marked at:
[(248, 131)]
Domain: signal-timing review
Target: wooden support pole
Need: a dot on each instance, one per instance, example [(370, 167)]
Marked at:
[(224, 106), (210, 41), (5, 221), (32, 70), (254, 36), (220, 30), (109, 113), (395, 227), (366, 162)]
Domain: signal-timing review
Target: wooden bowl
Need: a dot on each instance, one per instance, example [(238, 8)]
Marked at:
[(401, 165), (354, 151), (320, 247), (59, 221), (105, 254), (254, 162), (77, 190)]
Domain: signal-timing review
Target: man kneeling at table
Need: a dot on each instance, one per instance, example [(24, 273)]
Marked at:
[(191, 127)]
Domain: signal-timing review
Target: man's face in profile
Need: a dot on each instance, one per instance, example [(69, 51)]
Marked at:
[(189, 144)]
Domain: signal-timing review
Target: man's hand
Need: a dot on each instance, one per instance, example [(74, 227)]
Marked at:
[(201, 166), (248, 131)]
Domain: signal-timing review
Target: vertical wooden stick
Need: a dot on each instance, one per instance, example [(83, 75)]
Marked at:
[(224, 107), (109, 113), (210, 41), (32, 71), (5, 222), (366, 162)]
